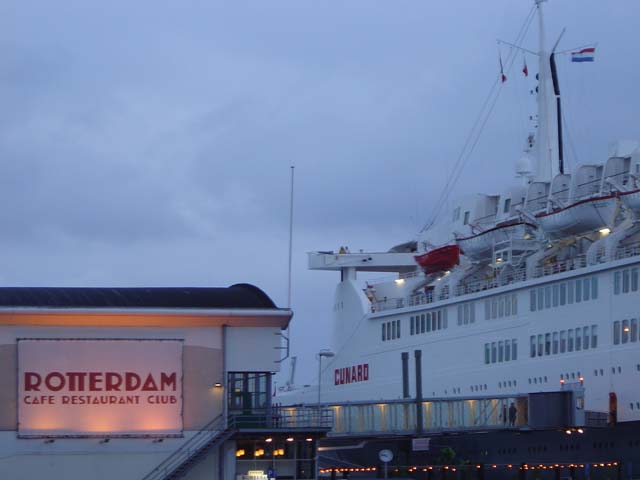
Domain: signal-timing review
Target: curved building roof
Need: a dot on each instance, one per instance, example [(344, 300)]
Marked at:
[(241, 295)]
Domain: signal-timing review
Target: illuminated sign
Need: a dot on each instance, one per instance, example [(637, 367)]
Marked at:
[(353, 374), (77, 387)]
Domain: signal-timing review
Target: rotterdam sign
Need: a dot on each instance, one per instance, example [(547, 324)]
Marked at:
[(96, 387)]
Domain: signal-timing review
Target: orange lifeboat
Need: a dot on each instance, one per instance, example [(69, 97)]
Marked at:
[(440, 259)]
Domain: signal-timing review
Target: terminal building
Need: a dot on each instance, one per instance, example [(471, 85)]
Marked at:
[(148, 383)]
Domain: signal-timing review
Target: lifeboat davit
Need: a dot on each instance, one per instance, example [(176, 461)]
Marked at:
[(583, 216), (439, 259)]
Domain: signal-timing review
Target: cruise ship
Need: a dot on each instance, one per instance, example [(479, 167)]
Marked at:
[(507, 293)]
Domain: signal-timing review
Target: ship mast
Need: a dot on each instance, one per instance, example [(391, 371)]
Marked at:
[(547, 138)]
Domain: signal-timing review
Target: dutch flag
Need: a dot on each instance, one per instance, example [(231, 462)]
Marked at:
[(584, 55)]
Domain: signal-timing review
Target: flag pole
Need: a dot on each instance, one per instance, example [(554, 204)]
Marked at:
[(290, 238)]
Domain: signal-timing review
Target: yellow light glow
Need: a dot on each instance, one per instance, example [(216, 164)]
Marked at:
[(259, 452), (269, 440), (240, 452), (605, 231)]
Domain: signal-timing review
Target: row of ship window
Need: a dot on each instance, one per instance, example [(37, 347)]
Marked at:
[(390, 330), (581, 338), (625, 281), (565, 293), (428, 322), (501, 306), (625, 331), (502, 351)]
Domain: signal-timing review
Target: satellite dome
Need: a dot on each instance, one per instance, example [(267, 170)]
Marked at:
[(523, 165)]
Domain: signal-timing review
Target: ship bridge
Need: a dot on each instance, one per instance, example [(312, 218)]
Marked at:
[(400, 262)]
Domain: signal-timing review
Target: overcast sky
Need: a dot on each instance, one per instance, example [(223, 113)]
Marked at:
[(148, 143)]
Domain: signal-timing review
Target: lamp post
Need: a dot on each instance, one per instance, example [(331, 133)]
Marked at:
[(322, 353)]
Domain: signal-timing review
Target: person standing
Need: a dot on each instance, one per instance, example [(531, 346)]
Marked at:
[(513, 413)]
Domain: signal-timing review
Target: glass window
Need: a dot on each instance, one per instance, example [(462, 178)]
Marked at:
[(616, 282), (578, 339), (514, 304), (487, 353), (540, 344), (540, 298), (578, 291), (507, 350), (563, 341), (625, 281), (547, 344), (594, 336), (586, 289), (445, 322), (460, 314), (556, 295), (398, 322), (411, 326), (625, 331), (555, 343), (585, 338), (507, 205), (501, 307), (466, 217), (388, 331), (487, 309), (393, 330), (501, 351), (514, 349), (570, 340), (438, 320), (616, 332), (532, 300), (570, 292), (634, 279), (594, 287), (563, 293), (428, 322), (494, 352), (472, 313), (494, 308), (384, 332), (633, 334), (547, 296), (532, 339), (507, 306)]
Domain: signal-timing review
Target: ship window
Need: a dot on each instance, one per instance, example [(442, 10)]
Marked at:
[(616, 332), (507, 351), (456, 214), (555, 343), (578, 339), (393, 330), (466, 217), (556, 295), (388, 330), (514, 349), (436, 320), (547, 297), (514, 304), (532, 339), (494, 352), (570, 340), (634, 279), (398, 321), (507, 306), (494, 308), (540, 344), (384, 332), (487, 353), (586, 288), (501, 307), (578, 291), (412, 326), (570, 292), (445, 322), (472, 314), (507, 205), (633, 334), (594, 288), (547, 344), (625, 331), (422, 323), (487, 309), (532, 300), (563, 293), (594, 336), (616, 282), (625, 281), (540, 298), (585, 337), (563, 341), (460, 314)]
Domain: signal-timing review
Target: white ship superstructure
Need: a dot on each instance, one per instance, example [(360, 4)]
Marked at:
[(528, 290)]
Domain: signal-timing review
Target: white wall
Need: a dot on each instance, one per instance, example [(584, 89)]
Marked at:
[(253, 349)]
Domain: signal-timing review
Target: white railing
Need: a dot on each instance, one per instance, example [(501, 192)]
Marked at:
[(519, 275)]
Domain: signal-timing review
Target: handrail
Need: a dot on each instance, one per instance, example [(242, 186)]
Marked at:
[(188, 449)]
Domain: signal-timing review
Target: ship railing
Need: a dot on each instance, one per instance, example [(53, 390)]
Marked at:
[(627, 251), (579, 261)]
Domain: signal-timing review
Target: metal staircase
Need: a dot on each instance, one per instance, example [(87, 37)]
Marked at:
[(192, 451)]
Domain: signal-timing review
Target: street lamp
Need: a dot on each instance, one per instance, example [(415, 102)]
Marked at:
[(322, 353)]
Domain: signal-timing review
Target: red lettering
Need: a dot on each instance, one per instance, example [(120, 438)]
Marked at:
[(76, 380), (95, 378), (336, 377), (365, 372), (354, 376), (132, 381), (149, 385), (48, 381), (112, 381), (359, 373), (32, 382), (168, 381)]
